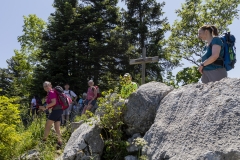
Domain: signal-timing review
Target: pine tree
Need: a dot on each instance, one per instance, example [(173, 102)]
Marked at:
[(144, 20), (82, 42)]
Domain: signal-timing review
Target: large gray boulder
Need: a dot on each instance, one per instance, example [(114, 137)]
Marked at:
[(85, 142), (197, 122), (142, 106)]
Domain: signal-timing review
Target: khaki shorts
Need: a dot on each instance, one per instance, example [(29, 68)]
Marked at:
[(213, 75)]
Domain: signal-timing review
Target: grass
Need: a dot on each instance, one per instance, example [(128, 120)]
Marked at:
[(31, 139)]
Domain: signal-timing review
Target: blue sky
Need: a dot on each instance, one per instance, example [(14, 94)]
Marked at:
[(12, 12)]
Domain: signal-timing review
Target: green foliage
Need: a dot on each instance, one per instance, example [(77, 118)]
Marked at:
[(188, 75), (32, 139), (127, 86), (31, 135), (5, 81), (111, 107), (9, 121), (183, 41), (19, 76), (140, 143), (170, 80)]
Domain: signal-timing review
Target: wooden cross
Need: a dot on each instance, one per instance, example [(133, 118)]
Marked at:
[(143, 61)]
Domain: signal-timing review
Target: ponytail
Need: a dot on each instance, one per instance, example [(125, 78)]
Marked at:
[(214, 30), (211, 28)]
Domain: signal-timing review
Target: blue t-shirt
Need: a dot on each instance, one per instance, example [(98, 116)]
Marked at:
[(207, 52)]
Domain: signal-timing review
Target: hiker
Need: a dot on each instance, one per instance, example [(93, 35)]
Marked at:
[(211, 69), (81, 102), (67, 112), (33, 107), (35, 102), (55, 116), (128, 86), (91, 97)]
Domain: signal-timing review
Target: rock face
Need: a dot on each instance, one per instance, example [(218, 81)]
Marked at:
[(85, 142), (195, 122), (75, 125), (142, 106)]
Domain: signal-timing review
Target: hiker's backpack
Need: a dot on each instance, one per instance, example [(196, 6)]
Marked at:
[(229, 56), (63, 99), (98, 92)]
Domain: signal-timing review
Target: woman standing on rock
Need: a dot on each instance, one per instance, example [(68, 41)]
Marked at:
[(55, 115), (211, 68)]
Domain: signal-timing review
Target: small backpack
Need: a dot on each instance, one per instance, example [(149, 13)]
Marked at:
[(63, 99), (229, 56)]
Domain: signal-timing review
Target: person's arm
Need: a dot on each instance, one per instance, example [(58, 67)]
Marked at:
[(215, 54), (74, 97), (53, 102), (95, 94)]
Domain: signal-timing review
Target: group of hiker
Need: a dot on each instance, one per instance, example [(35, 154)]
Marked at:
[(218, 58), (55, 113), (86, 102)]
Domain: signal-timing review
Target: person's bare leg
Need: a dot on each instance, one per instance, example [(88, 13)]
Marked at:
[(89, 107), (63, 119), (58, 132), (67, 118), (84, 109), (47, 128)]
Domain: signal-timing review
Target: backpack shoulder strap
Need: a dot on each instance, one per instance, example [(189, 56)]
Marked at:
[(69, 91)]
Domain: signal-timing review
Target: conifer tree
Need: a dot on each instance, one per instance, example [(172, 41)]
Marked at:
[(144, 20)]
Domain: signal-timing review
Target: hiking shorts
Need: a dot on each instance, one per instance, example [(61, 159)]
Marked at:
[(68, 110), (213, 75), (55, 115), (92, 103)]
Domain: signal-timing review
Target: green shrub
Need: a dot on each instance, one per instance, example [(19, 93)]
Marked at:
[(111, 107), (9, 120)]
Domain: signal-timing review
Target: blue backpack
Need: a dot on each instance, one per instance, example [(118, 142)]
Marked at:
[(229, 57)]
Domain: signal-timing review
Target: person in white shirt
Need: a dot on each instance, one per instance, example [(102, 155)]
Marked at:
[(67, 112), (33, 106), (35, 102)]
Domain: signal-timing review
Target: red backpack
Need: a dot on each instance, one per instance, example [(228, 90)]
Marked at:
[(63, 99)]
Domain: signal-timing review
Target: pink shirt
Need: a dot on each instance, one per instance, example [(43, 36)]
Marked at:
[(90, 93), (51, 95)]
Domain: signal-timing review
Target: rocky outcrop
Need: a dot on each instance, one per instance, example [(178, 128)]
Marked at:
[(75, 125), (85, 142), (142, 106), (195, 122)]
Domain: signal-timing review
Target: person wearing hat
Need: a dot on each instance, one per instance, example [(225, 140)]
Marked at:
[(128, 86)]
